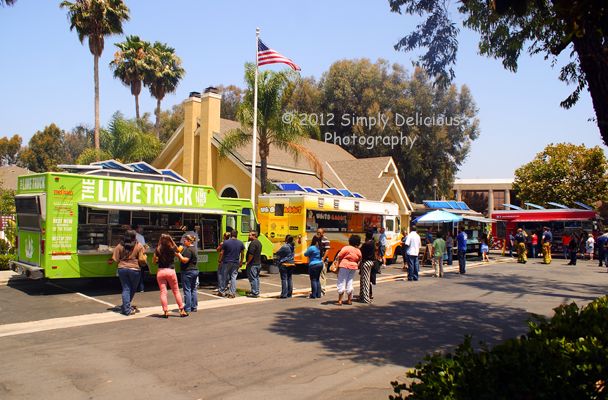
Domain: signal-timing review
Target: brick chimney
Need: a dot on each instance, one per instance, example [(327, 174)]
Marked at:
[(210, 123)]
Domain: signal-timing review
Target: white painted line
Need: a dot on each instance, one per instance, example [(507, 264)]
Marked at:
[(81, 294), (100, 318)]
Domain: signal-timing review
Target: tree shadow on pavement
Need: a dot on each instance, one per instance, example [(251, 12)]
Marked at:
[(542, 286), (402, 332)]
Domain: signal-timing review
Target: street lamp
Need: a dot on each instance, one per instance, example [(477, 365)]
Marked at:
[(435, 184)]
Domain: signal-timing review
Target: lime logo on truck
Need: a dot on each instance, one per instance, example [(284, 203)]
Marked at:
[(130, 192), (32, 183), (29, 248)]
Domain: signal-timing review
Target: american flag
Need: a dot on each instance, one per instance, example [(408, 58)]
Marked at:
[(269, 56)]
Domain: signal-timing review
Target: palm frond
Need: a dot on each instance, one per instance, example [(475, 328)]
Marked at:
[(298, 149)]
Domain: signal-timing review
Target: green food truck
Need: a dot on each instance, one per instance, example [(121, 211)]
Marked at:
[(68, 223)]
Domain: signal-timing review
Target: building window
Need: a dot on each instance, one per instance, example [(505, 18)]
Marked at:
[(476, 199), (499, 199), (229, 192)]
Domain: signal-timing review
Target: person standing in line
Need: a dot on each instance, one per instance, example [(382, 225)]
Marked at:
[(438, 251), (520, 239), (231, 259), (484, 250), (573, 248), (324, 244), (547, 240), (285, 257), (368, 259), (533, 244), (602, 249), (189, 267), (413, 244), (254, 264), (139, 236), (222, 275), (461, 240), (164, 257), (382, 245), (590, 246), (511, 242), (404, 251), (315, 265), (191, 230), (348, 259), (449, 245), (128, 254)]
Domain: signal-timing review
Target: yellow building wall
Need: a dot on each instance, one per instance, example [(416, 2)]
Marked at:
[(226, 172)]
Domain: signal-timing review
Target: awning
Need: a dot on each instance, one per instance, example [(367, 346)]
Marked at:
[(132, 207), (437, 217), (479, 219)]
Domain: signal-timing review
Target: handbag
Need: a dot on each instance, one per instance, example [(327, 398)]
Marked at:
[(334, 267)]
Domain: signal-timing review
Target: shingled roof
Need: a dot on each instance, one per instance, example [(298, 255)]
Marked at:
[(364, 175)]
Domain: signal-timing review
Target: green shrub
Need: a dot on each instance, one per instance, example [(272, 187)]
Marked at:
[(565, 357), (4, 259)]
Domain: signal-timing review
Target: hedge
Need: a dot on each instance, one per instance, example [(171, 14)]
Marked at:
[(4, 259), (565, 357)]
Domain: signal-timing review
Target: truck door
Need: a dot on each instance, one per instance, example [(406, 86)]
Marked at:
[(30, 246)]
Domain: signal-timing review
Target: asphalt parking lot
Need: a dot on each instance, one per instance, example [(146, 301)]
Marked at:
[(31, 300)]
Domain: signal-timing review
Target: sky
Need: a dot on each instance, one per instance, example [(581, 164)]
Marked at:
[(47, 74)]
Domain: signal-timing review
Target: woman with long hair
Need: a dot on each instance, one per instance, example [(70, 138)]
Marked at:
[(348, 263), (368, 259), (315, 265), (164, 256), (128, 254)]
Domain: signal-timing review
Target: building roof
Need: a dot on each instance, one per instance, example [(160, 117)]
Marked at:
[(9, 174), (489, 181), (281, 158), (357, 174)]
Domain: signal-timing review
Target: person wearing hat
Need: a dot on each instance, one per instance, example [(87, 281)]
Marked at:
[(188, 259), (520, 239)]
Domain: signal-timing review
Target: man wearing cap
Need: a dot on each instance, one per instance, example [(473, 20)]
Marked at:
[(231, 259)]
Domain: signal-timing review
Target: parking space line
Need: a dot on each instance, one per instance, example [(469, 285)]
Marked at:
[(81, 294)]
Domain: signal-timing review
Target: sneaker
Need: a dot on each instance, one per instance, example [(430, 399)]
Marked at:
[(254, 296), (230, 296), (194, 310)]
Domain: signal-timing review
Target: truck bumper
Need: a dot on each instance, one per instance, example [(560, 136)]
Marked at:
[(29, 271)]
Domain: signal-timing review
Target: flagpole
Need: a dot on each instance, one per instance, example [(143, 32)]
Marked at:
[(255, 122)]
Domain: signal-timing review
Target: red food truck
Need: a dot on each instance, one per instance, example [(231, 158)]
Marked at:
[(563, 222)]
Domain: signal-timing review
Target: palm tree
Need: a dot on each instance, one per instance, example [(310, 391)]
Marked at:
[(272, 129), (163, 75), (95, 19), (130, 64), (123, 140), (7, 2)]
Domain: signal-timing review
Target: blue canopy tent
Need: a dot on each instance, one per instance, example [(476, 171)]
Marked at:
[(437, 217)]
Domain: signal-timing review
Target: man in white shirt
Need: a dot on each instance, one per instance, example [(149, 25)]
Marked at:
[(413, 244)]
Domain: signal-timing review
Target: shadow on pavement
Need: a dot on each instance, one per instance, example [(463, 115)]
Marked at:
[(402, 332), (544, 286)]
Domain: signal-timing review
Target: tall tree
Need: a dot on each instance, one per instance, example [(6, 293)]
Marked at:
[(9, 149), (76, 142), (163, 76), (428, 131), (564, 173), (44, 151), (232, 97), (124, 140), (271, 128), (130, 64), (576, 29), (96, 19), (7, 2)]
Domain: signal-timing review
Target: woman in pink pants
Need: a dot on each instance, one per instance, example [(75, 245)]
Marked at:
[(164, 256)]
